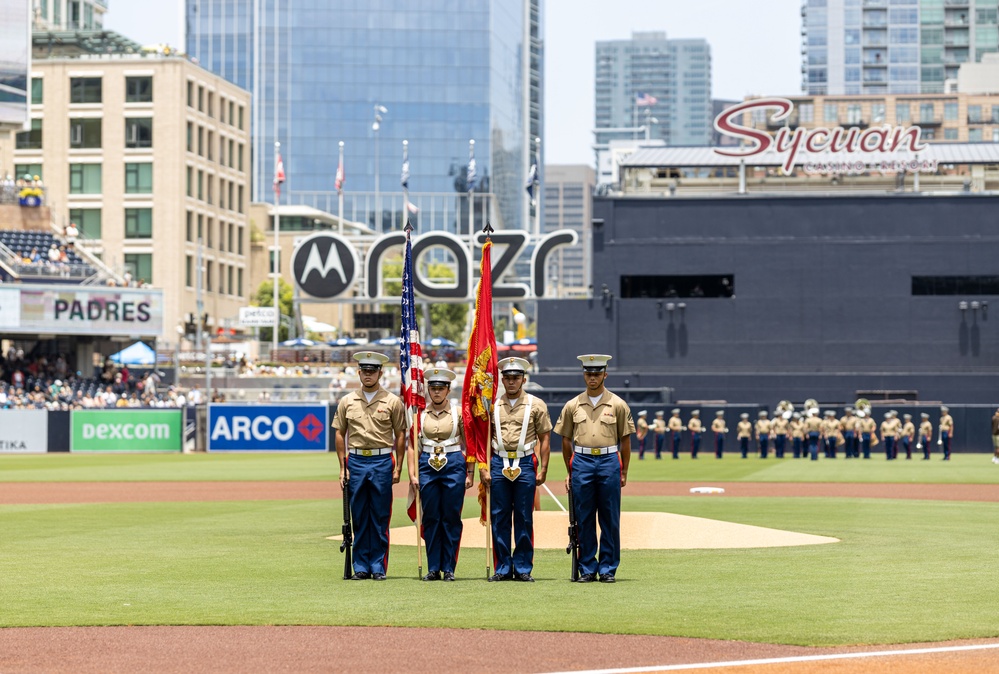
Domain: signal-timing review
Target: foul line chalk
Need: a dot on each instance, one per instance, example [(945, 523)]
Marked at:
[(773, 661)]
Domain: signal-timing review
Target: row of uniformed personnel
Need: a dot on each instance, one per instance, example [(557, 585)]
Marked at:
[(596, 430), (856, 433)]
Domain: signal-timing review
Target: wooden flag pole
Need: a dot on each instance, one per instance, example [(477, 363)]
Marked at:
[(489, 491), (419, 506)]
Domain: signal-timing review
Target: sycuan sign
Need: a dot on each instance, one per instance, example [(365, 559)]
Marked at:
[(127, 430), (854, 141)]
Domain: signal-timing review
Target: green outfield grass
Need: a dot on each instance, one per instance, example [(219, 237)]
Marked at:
[(905, 571), (964, 468)]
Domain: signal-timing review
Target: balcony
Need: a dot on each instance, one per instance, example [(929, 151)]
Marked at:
[(929, 121), (790, 122), (957, 3), (846, 121)]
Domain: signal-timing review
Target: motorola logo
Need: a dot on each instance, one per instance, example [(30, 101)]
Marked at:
[(325, 265)]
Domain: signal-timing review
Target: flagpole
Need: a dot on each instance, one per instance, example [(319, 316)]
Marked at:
[(412, 442), (276, 264), (405, 182), (339, 214), (487, 230), (471, 198), (537, 199)]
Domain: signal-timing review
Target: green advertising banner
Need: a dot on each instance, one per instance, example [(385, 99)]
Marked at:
[(126, 430)]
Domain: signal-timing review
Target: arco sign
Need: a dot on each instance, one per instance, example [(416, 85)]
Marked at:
[(327, 265)]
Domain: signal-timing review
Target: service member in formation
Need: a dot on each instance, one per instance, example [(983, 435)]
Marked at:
[(521, 433), (995, 437), (696, 428), (780, 428), (866, 427), (797, 434), (659, 426), (444, 474), (370, 428), (925, 435), (813, 432), (719, 428), (642, 431), (946, 430), (830, 432), (763, 427), (743, 432), (889, 433), (907, 434), (676, 429), (848, 427), (596, 430)]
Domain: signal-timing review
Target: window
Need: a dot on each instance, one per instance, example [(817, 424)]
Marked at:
[(85, 133), (189, 271), (201, 141), (239, 239), (221, 236), (995, 114), (138, 223), (138, 178), (211, 184), (85, 89), (240, 167), (955, 285), (201, 227), (201, 99), (30, 140), (853, 115), (190, 137), (926, 113), (138, 132), (211, 143), (209, 267), (140, 265), (240, 201), (229, 286), (201, 185), (231, 109), (231, 230), (230, 186), (222, 150), (211, 100), (975, 135), (138, 89), (37, 88), (21, 170), (84, 178), (190, 181), (87, 220), (241, 118), (190, 226), (239, 282), (830, 112), (950, 111), (210, 227), (877, 113), (232, 161), (949, 134), (975, 114), (718, 285), (190, 94)]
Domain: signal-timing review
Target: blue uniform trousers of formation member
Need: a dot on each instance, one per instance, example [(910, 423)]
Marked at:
[(719, 444), (796, 444), (890, 447), (764, 445), (695, 444), (865, 444), (831, 448), (945, 436), (848, 447), (813, 445), (513, 500), (925, 442), (371, 510), (676, 445), (641, 446), (442, 495), (744, 447), (780, 442), (596, 495), (907, 446), (660, 443)]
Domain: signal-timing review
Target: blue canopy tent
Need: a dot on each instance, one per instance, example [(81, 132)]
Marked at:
[(136, 354), (299, 343), (343, 341)]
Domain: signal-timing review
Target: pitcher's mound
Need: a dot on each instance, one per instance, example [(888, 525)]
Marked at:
[(641, 531)]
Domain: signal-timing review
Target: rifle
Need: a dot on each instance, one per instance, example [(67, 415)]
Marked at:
[(573, 548), (348, 534)]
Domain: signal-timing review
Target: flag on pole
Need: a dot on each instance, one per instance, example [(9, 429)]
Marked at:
[(645, 100), (278, 175), (479, 391), (532, 183), (405, 168), (472, 177), (411, 360), (339, 177)]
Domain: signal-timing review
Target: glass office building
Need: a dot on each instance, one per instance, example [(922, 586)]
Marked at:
[(893, 46), (436, 73)]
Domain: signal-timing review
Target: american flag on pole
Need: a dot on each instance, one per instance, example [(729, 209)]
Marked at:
[(645, 100), (532, 183), (472, 175), (404, 180), (339, 177), (278, 175), (410, 350)]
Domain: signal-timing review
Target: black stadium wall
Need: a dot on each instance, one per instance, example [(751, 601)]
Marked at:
[(757, 299)]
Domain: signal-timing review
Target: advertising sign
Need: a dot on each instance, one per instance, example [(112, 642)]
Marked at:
[(256, 317), (10, 307), (126, 430), (268, 428), (125, 312), (24, 432)]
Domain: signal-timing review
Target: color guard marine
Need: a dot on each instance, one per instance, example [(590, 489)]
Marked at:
[(830, 433), (908, 433), (890, 428), (866, 427), (848, 427), (763, 427), (780, 428), (925, 435), (659, 426), (813, 432), (596, 428), (743, 432), (946, 431), (719, 428), (676, 429), (797, 428), (370, 428), (696, 429), (642, 431)]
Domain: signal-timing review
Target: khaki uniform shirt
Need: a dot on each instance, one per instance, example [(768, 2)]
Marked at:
[(867, 425), (675, 424), (813, 425), (718, 425), (512, 417), (780, 426), (798, 429), (926, 429), (908, 429), (659, 425), (642, 428), (890, 428), (601, 426), (437, 426), (830, 427), (744, 429), (947, 424), (370, 425), (763, 427), (848, 423), (694, 425)]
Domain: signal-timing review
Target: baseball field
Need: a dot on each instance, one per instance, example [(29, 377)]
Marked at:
[(244, 540)]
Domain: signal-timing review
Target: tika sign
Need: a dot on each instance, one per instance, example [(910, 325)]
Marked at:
[(790, 142)]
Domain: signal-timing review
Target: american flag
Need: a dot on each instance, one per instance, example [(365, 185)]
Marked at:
[(645, 99), (410, 351), (472, 175), (405, 169), (532, 182), (339, 177), (278, 175)]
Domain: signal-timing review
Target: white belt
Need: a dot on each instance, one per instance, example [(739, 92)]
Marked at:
[(371, 452), (527, 451), (595, 451), (441, 448)]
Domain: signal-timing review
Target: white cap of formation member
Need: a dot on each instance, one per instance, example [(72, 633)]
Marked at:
[(370, 360), (643, 413), (830, 413), (944, 409), (594, 362), (675, 410), (660, 413), (695, 413), (720, 413), (438, 375), (513, 366)]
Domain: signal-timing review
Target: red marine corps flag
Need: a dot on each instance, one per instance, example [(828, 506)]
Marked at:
[(479, 391)]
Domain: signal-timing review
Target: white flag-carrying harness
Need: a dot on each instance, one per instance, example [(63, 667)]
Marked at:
[(439, 450), (511, 459)]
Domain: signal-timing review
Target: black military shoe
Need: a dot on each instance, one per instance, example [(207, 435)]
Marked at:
[(587, 578), (360, 575), (607, 578), (378, 576), (433, 575), (448, 576), (524, 578), (497, 577)]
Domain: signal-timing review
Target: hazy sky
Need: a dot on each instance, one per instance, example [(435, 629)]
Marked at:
[(755, 49)]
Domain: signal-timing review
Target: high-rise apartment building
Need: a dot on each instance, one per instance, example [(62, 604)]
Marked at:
[(892, 46), (652, 82), (373, 75), (63, 15), (568, 204)]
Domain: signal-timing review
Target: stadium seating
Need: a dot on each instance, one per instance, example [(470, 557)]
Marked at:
[(22, 242)]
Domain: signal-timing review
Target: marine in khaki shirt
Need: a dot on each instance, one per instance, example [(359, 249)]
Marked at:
[(813, 424), (718, 425), (694, 425), (370, 424), (797, 428), (780, 426), (763, 426), (744, 429), (830, 426), (890, 427)]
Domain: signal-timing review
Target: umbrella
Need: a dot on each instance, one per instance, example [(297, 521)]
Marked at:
[(344, 341), (525, 344), (438, 342), (388, 341), (299, 342), (136, 354)]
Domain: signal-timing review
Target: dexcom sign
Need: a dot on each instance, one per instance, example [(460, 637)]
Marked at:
[(267, 428), (128, 430)]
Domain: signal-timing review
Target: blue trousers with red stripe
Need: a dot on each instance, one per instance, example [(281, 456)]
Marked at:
[(442, 495), (513, 500), (371, 510), (596, 495)]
